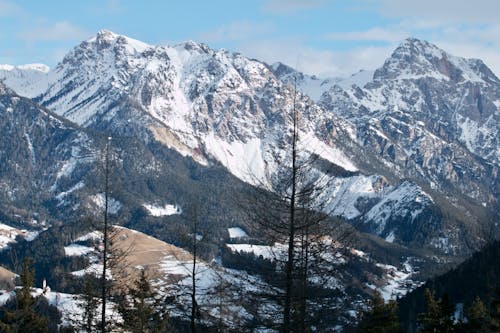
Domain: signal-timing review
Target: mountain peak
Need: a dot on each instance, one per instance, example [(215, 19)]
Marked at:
[(103, 33), (106, 39), (415, 58), (192, 46), (414, 45)]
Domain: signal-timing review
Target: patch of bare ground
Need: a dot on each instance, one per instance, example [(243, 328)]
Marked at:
[(137, 251), (6, 278)]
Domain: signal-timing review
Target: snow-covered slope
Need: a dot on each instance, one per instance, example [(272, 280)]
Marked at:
[(30, 79), (314, 86), (170, 270)]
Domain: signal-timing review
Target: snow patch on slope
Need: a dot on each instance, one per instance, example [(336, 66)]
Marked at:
[(398, 203), (243, 159), (236, 232), (113, 205), (310, 142), (77, 250), (346, 192), (166, 210), (7, 235)]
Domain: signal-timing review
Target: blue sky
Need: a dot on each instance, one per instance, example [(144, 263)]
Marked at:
[(323, 37)]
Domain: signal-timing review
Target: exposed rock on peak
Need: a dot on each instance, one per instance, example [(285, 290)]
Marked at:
[(415, 58)]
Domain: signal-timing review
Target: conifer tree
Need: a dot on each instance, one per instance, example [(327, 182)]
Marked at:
[(24, 317), (495, 313), (381, 318), (141, 310), (477, 316), (439, 315), (90, 305)]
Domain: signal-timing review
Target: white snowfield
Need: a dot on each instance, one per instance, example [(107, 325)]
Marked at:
[(165, 210), (267, 252), (71, 306), (236, 232), (8, 235), (77, 250)]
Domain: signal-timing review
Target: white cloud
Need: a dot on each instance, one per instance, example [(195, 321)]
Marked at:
[(59, 31), (290, 6), (239, 30), (443, 10), (374, 34), (114, 6), (324, 63), (8, 8), (469, 39)]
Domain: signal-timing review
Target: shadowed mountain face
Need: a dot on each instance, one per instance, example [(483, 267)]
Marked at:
[(52, 170), (414, 150)]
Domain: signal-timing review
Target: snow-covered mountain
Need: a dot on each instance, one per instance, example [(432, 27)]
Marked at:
[(314, 86), (220, 107), (22, 78), (431, 116)]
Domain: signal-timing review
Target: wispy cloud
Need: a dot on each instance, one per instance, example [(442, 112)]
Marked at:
[(237, 31), (310, 60), (114, 6), (8, 8), (290, 6), (376, 34), (443, 10), (59, 31)]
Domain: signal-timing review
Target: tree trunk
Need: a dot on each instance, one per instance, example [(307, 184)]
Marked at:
[(291, 236), (105, 237)]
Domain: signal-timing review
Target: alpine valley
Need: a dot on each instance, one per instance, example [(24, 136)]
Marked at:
[(407, 154)]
